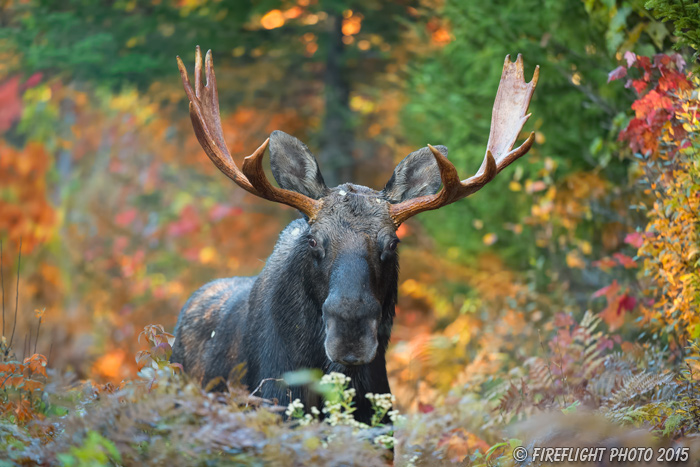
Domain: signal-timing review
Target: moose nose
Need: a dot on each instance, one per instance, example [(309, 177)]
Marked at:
[(350, 360), (351, 308)]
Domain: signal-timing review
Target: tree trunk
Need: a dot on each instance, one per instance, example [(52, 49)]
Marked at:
[(337, 141)]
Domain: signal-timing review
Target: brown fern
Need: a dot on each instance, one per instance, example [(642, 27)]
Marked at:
[(636, 386)]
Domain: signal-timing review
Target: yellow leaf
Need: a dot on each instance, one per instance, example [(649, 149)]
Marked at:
[(206, 255), (490, 238), (586, 248), (574, 260), (312, 443), (272, 19)]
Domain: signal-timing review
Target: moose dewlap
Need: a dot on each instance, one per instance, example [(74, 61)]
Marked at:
[(326, 296)]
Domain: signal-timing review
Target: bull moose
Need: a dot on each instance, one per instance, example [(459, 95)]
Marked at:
[(326, 296)]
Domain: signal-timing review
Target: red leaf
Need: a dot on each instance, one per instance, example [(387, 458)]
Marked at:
[(32, 81), (636, 239), (10, 103), (425, 408), (606, 343), (611, 314), (125, 218), (187, 223), (630, 58), (645, 64), (680, 62), (617, 73), (219, 211), (647, 107), (608, 291), (673, 80), (628, 302), (605, 264), (639, 85), (563, 320), (661, 60), (625, 260)]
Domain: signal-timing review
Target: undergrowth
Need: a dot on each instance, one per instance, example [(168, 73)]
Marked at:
[(163, 417)]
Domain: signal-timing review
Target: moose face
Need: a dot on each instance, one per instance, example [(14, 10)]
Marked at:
[(351, 246)]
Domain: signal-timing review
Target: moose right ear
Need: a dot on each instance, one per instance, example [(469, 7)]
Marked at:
[(294, 167), (416, 175)]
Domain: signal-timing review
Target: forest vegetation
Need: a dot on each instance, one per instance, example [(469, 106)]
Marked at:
[(559, 306)]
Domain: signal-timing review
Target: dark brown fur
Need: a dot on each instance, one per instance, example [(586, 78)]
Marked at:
[(326, 296)]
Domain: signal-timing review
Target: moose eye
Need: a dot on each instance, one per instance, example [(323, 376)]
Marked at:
[(313, 243), (394, 243)]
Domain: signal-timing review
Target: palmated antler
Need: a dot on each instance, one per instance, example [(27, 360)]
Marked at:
[(204, 113), (509, 116)]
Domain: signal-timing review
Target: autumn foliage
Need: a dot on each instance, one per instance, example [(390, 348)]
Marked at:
[(565, 297), (664, 137)]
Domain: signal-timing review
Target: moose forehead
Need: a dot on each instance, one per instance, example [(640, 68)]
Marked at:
[(354, 208)]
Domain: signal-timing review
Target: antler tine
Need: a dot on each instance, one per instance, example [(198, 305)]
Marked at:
[(508, 118), (509, 111), (206, 121), (198, 72), (207, 124)]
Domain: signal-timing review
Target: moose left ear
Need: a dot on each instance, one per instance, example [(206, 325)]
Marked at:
[(294, 167), (416, 175)]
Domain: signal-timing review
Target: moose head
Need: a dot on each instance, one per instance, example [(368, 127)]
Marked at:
[(328, 291)]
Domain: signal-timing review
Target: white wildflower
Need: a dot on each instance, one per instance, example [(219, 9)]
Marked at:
[(394, 416), (335, 378), (306, 420), (293, 407), (412, 461), (386, 440)]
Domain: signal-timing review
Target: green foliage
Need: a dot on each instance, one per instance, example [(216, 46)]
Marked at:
[(95, 451), (685, 16), (452, 96), (116, 42)]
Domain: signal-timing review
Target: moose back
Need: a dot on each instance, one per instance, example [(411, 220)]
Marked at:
[(326, 296)]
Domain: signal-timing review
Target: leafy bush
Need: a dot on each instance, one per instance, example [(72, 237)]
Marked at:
[(664, 136)]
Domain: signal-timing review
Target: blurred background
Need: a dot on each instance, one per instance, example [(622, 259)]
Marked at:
[(121, 215)]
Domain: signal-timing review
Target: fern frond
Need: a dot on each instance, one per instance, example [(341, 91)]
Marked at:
[(636, 386)]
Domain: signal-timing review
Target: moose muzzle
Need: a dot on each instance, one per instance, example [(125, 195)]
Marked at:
[(351, 313)]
